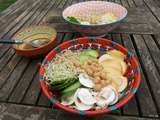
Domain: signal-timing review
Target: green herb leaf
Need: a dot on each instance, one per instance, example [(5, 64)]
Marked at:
[(73, 19)]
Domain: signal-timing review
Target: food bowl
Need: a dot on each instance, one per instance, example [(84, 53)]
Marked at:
[(97, 8), (33, 33), (102, 45)]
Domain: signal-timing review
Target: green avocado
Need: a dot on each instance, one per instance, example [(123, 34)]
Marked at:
[(92, 53), (65, 95), (67, 82), (73, 87), (84, 57)]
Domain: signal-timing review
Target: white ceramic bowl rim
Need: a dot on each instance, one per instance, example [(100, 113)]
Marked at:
[(92, 25)]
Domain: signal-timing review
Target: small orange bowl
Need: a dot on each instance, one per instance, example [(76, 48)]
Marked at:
[(32, 33)]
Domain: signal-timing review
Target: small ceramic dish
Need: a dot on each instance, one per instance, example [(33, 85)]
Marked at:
[(34, 33)]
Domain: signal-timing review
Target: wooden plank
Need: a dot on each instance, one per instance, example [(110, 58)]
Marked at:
[(12, 14), (16, 21), (38, 16), (154, 8), (4, 60), (43, 100), (118, 1), (131, 3), (32, 93), (153, 49), (57, 3), (19, 112), (157, 39), (157, 2), (134, 28), (11, 9), (145, 101), (125, 3), (69, 2), (150, 69), (4, 74), (11, 82), (67, 36), (62, 4), (139, 2), (24, 82), (122, 28)]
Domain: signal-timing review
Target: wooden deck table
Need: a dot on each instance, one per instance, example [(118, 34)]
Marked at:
[(20, 95)]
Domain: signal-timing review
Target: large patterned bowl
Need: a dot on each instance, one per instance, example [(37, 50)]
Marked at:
[(102, 45), (95, 8)]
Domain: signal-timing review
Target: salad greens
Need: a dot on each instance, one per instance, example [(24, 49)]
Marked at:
[(73, 19)]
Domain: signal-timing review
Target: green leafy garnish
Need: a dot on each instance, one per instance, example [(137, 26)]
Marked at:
[(73, 19)]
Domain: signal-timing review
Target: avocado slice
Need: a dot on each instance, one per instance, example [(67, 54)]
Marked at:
[(65, 95), (73, 87), (66, 83), (92, 53), (84, 57)]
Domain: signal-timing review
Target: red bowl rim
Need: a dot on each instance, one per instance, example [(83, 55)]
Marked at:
[(97, 112)]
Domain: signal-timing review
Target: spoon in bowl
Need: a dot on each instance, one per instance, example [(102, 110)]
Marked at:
[(34, 43)]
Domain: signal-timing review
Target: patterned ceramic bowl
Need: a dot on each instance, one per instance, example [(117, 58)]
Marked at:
[(89, 8), (101, 45)]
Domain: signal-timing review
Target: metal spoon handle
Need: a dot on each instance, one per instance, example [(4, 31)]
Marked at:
[(7, 41)]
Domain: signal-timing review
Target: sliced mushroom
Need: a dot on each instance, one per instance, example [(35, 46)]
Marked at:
[(107, 96), (85, 80), (79, 104), (105, 57), (86, 97)]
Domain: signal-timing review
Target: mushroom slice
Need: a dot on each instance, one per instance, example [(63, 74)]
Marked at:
[(69, 101), (79, 104), (107, 96), (105, 57), (85, 80), (101, 102), (86, 97)]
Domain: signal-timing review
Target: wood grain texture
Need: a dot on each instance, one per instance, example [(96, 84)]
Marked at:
[(24, 82), (19, 85), (18, 112), (150, 68), (13, 79), (146, 106)]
